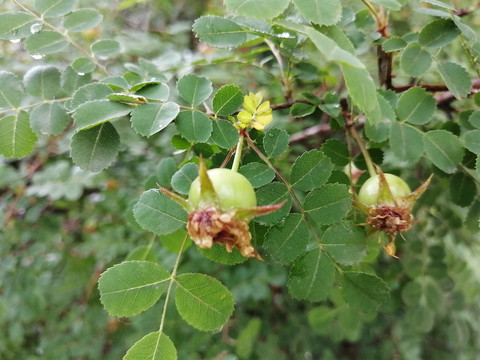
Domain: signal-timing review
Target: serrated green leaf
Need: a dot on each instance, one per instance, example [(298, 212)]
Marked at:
[(416, 106), (300, 110), (345, 242), (415, 60), (362, 90), (258, 174), (474, 119), (90, 92), (275, 142), (81, 20), (472, 141), (159, 92), (393, 44), (440, 4), (154, 346), (184, 177), (83, 66), (203, 302), (462, 189), (131, 287), (11, 90), (389, 4), (45, 42), (273, 193), (219, 254), (286, 241), (194, 89), (179, 143), (322, 12), (456, 78), (311, 170), (127, 98), (438, 33), (311, 276), (94, 113), (157, 213), (378, 131), (337, 151), (54, 8), (444, 149), (166, 168), (362, 291), (42, 81), (49, 119), (71, 81), (227, 100), (148, 119), (328, 204), (194, 125), (142, 253), (406, 143), (16, 137), (219, 32), (266, 9), (95, 149), (224, 134), (108, 47), (245, 342), (12, 21)]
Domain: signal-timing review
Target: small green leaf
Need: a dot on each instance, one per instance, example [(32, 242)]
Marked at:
[(71, 81), (474, 118), (275, 142), (131, 287), (81, 20), (194, 125), (227, 100), (154, 346), (322, 12), (389, 4), (96, 148), (311, 170), (166, 168), (444, 149), (406, 142), (265, 9), (54, 8), (311, 276), (83, 66), (284, 242), (415, 60), (49, 119), (184, 177), (103, 48), (45, 42), (148, 119), (258, 174), (440, 4), (337, 151), (328, 204), (42, 81), (393, 44), (219, 254), (224, 134), (90, 92), (472, 141), (157, 213), (247, 338), (462, 189), (300, 110), (456, 78), (362, 291), (438, 33), (10, 22), (416, 106), (127, 98), (203, 301), (345, 243), (142, 253), (16, 137), (194, 89), (94, 113), (273, 193), (159, 92), (11, 90), (219, 32), (362, 90)]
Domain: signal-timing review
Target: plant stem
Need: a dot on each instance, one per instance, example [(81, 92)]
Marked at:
[(238, 151), (368, 160)]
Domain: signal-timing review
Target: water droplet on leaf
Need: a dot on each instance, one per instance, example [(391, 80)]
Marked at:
[(35, 28), (37, 56)]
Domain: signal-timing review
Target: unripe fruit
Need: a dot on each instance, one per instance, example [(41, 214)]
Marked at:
[(233, 190), (369, 192)]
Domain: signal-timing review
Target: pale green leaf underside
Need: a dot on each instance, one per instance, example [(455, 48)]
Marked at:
[(94, 113), (45, 42), (16, 137), (154, 346), (322, 12), (265, 9)]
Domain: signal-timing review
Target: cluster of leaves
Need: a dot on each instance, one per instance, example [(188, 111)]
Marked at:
[(429, 119)]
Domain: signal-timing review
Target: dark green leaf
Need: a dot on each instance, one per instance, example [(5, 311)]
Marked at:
[(224, 134), (472, 141), (94, 113), (266, 9), (274, 193), (322, 12), (148, 119), (438, 33), (227, 100), (311, 276), (456, 78), (154, 346), (416, 106), (203, 302), (194, 125), (311, 170), (158, 92), (345, 242), (131, 287), (95, 149), (258, 174), (393, 44), (362, 291), (90, 92), (362, 90), (49, 119), (166, 168), (194, 89), (183, 178), (300, 110), (16, 137), (474, 119), (337, 151), (462, 189), (415, 60), (444, 149), (219, 32), (286, 241), (328, 204), (11, 90), (157, 213), (275, 142), (406, 143), (42, 81), (219, 254)]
